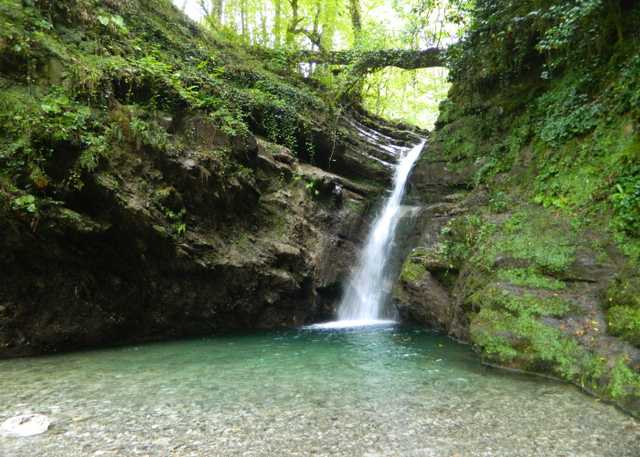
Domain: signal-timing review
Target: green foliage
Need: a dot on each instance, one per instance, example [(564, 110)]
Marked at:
[(548, 346), (530, 236), (626, 203), (278, 119), (177, 219), (412, 270), (143, 131), (22, 43), (527, 237), (116, 69), (624, 382), (280, 28), (566, 113), (462, 235), (491, 330), (494, 297), (529, 277), (40, 132), (563, 76), (407, 96), (540, 108), (311, 186), (624, 321), (499, 202), (113, 22), (511, 38), (25, 203), (577, 28), (624, 290), (509, 331), (527, 343)]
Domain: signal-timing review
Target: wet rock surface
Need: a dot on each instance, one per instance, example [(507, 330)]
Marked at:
[(211, 234), (425, 295)]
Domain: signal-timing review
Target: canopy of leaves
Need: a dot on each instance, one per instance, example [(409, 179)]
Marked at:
[(291, 26)]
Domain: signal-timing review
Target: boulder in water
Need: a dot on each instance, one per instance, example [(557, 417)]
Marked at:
[(25, 425)]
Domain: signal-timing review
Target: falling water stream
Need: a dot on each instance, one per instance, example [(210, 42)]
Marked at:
[(367, 289)]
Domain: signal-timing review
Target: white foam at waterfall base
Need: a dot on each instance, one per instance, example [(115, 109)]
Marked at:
[(335, 325), (366, 293)]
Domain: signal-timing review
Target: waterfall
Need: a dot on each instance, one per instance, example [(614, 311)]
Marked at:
[(367, 289)]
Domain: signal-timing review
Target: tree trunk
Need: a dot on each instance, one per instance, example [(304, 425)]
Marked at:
[(243, 20), (329, 25), (356, 20), (217, 10), (292, 28), (263, 25), (407, 59), (277, 24)]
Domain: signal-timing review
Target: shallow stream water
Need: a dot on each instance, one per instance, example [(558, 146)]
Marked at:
[(377, 391)]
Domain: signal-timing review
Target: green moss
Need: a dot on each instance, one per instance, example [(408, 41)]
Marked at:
[(457, 142), (571, 175), (624, 290), (532, 236), (544, 245), (623, 381), (529, 277), (568, 135), (355, 206), (87, 80), (548, 348), (508, 332), (500, 202), (529, 344), (526, 342), (433, 258), (412, 270), (462, 236), (559, 135), (493, 296), (491, 331), (624, 321)]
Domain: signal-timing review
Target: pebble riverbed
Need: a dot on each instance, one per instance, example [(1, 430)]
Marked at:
[(384, 391)]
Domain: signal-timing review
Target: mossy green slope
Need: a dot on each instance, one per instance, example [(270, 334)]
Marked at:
[(543, 119), (65, 66)]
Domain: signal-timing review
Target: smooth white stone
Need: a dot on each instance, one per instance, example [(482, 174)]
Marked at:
[(25, 425)]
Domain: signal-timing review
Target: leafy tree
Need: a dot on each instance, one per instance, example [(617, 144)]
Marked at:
[(361, 25)]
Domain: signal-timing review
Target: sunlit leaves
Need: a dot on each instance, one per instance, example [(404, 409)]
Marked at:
[(410, 96)]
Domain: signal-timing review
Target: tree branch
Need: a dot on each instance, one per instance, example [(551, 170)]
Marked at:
[(364, 61)]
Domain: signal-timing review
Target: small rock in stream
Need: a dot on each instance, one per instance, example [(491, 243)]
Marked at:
[(25, 425)]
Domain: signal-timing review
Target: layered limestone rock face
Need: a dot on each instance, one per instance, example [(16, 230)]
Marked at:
[(423, 292), (146, 191), (156, 245)]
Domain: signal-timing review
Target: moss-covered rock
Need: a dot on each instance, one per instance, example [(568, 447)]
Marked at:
[(525, 285), (624, 322), (413, 269), (157, 180)]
